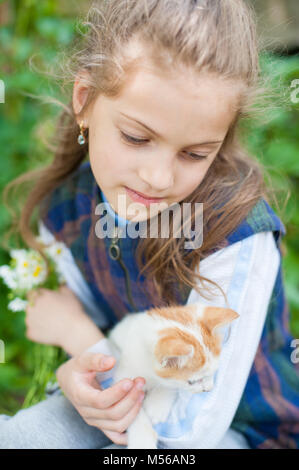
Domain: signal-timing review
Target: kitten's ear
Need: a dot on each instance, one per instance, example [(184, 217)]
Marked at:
[(216, 317), (173, 352)]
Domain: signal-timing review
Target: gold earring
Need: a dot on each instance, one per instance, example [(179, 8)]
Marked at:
[(81, 137)]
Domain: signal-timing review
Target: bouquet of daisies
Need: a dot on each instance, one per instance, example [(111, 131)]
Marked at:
[(27, 270)]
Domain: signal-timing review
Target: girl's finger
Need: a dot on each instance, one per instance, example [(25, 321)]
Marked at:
[(117, 426), (87, 395), (116, 437), (124, 406), (90, 362), (94, 383), (121, 400), (109, 396), (64, 288), (116, 412), (31, 295)]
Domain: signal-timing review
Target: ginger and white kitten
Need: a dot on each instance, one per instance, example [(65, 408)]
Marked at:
[(172, 348)]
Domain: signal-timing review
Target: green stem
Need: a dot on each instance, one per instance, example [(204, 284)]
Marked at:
[(46, 360)]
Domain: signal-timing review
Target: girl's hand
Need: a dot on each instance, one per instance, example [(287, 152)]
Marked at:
[(111, 410), (57, 318)]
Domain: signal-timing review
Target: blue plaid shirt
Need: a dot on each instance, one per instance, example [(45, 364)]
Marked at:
[(268, 412)]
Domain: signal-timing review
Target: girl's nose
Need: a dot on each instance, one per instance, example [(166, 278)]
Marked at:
[(159, 177)]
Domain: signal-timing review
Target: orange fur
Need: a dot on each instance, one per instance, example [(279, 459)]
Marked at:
[(175, 343), (182, 314), (218, 316), (214, 317)]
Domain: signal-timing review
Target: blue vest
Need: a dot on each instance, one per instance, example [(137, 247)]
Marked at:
[(110, 270)]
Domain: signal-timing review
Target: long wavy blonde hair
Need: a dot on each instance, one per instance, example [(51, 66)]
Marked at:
[(213, 35)]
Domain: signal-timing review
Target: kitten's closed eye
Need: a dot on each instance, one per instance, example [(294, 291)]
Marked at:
[(192, 382)]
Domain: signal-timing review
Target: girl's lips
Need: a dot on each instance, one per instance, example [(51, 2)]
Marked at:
[(138, 197)]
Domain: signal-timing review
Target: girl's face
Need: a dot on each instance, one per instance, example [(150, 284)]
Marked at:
[(158, 137)]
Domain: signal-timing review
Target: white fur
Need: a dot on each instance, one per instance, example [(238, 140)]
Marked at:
[(136, 336)]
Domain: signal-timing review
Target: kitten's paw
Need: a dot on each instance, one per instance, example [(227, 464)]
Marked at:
[(140, 440), (157, 415), (157, 405), (143, 446)]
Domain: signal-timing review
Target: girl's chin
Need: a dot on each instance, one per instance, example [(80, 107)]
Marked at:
[(139, 214)]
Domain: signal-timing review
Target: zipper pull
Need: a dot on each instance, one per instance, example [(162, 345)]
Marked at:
[(115, 254), (114, 249)]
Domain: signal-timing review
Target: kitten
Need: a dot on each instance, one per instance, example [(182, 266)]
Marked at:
[(172, 348)]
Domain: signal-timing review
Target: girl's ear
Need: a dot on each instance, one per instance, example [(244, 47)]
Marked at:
[(80, 92)]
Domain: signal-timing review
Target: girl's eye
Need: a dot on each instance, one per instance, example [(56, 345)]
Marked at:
[(134, 140), (195, 156)]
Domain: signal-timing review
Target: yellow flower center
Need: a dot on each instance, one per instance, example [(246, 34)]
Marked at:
[(37, 271)]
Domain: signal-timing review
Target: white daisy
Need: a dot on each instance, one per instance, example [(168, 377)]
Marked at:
[(56, 250), (8, 276), (30, 268), (17, 305), (37, 268)]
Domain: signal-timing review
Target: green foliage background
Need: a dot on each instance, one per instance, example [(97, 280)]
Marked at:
[(44, 28)]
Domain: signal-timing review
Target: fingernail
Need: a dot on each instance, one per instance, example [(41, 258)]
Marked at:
[(139, 386), (106, 361), (127, 385)]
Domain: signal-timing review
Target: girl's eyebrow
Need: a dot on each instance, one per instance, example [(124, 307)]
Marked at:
[(156, 133)]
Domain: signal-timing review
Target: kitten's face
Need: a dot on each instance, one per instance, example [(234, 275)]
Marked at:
[(188, 349)]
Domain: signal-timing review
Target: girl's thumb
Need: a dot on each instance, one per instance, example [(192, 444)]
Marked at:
[(89, 361)]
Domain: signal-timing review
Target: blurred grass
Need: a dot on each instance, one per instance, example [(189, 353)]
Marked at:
[(31, 27), (39, 29)]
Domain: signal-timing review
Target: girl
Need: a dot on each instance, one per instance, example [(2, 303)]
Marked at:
[(160, 89)]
